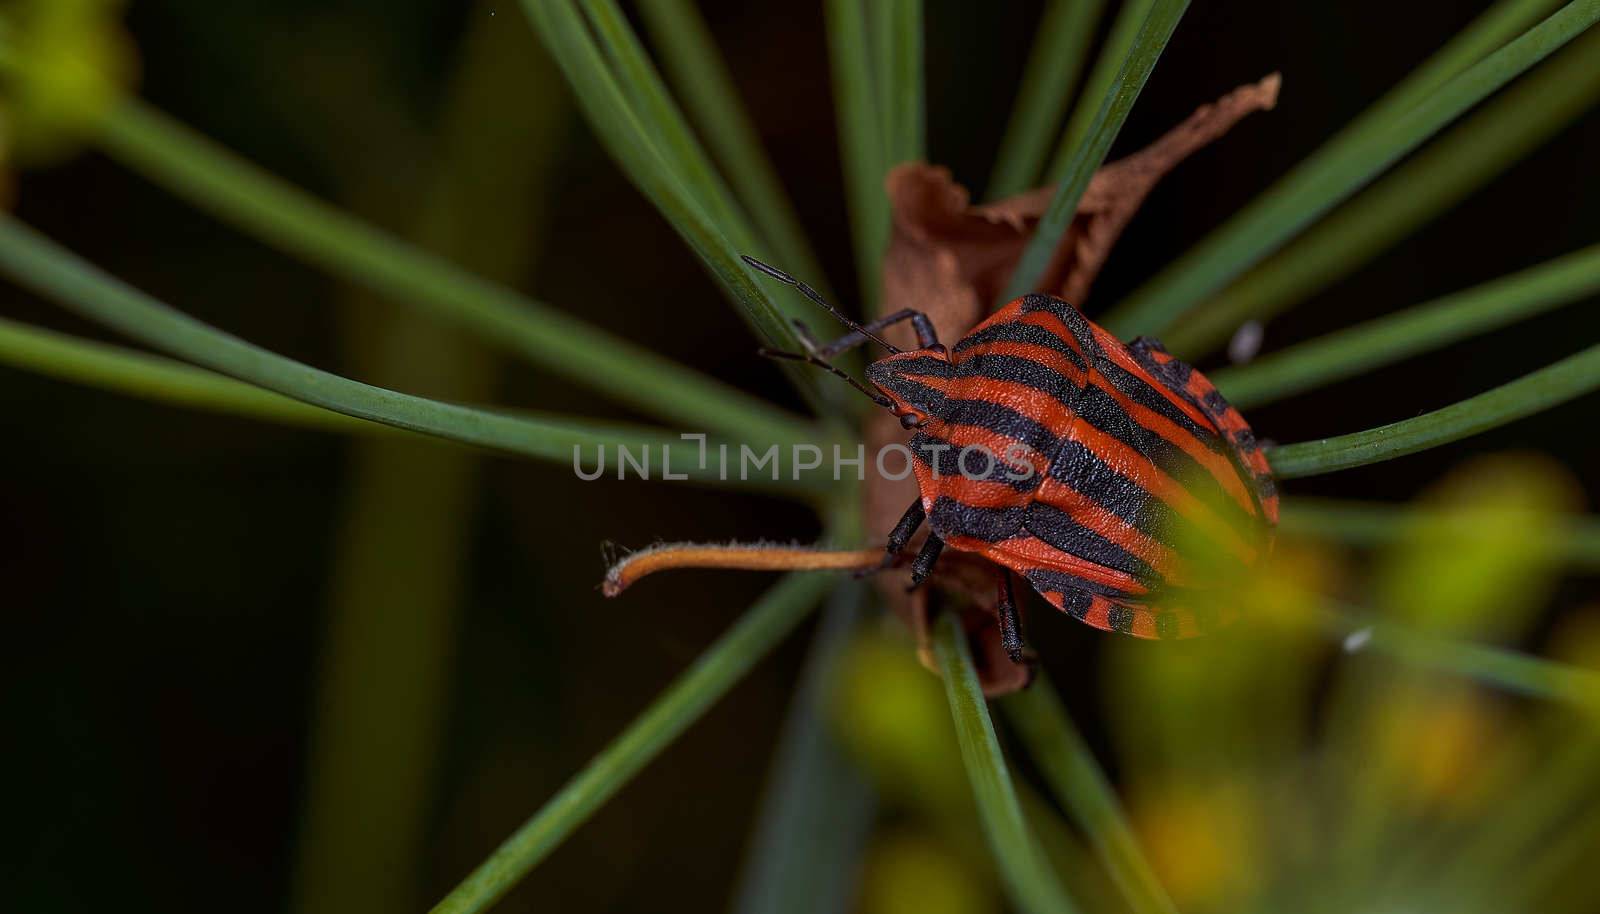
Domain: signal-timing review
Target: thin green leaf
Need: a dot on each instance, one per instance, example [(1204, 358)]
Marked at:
[(907, 107), (38, 264), (1052, 73), (1550, 386), (1068, 764), (633, 143), (1375, 524), (1508, 128), (860, 142), (722, 664), (1434, 325), (664, 124), (1505, 669), (697, 70), (1091, 154), (1028, 877), (1107, 65), (164, 380), (819, 807), (1338, 169), (240, 194)]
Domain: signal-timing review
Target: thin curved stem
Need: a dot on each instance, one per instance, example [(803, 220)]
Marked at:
[(1091, 154), (285, 217), (861, 151), (1033, 886), (722, 665), (160, 379), (57, 274), (1054, 66), (702, 79), (1341, 167), (1505, 130), (1571, 377), (1434, 325), (1131, 15), (1069, 766)]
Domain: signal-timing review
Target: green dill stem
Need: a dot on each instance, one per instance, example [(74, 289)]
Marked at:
[(1033, 886), (38, 264), (1069, 766), (680, 198), (1332, 174), (722, 665), (1506, 129), (1107, 65), (861, 149), (157, 378), (1375, 524), (288, 218), (1089, 155), (1434, 325), (1052, 73), (1552, 385), (712, 99)]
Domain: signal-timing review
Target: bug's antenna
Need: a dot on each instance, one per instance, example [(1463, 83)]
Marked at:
[(876, 397), (812, 294)]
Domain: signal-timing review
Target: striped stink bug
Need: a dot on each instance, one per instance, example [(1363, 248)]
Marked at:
[(1098, 461)]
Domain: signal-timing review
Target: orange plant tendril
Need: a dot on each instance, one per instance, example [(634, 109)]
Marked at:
[(745, 556)]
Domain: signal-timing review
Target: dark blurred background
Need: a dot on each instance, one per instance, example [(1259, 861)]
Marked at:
[(173, 578)]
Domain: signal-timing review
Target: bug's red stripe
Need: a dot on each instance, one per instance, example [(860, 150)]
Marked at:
[(1023, 553), (1091, 514), (1042, 355), (1119, 354), (1150, 478), (1216, 465)]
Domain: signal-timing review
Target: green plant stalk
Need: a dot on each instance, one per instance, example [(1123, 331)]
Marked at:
[(707, 88), (907, 110), (1434, 325), (1107, 64), (818, 807), (238, 193), (861, 150), (1375, 524), (664, 125), (569, 43), (1028, 877), (1069, 766), (404, 552), (721, 665), (1332, 174), (1507, 129), (1550, 386), (1051, 74), (1091, 154), (1505, 669), (160, 379), (38, 264)]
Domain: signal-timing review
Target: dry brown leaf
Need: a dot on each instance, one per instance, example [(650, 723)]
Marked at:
[(951, 260)]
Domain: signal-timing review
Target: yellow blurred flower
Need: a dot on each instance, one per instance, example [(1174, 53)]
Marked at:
[(1203, 840), (63, 65), (914, 873)]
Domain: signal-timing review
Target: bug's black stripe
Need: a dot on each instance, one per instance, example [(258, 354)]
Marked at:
[(1080, 469), (1022, 333), (946, 460), (1082, 330), (1018, 370), (1136, 389), (922, 366), (955, 518), (1120, 619), (1048, 580), (1001, 420), (910, 391), (1100, 410), (1060, 530), (1074, 601)]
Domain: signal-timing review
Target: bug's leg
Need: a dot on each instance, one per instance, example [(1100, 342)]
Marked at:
[(1010, 625), (923, 565), (901, 534), (927, 337), (1198, 389)]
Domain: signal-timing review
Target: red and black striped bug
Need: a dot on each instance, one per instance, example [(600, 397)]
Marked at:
[(1110, 457)]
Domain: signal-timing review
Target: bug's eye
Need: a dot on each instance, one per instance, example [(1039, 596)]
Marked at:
[(910, 420)]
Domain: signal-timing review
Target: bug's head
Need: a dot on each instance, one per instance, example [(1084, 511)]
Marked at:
[(914, 382)]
